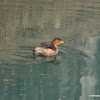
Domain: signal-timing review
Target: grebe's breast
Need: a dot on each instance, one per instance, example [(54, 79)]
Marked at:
[(43, 51)]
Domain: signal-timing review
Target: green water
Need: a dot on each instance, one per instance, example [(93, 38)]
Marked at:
[(74, 73)]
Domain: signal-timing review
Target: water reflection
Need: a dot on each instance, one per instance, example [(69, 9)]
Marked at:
[(88, 80), (52, 59)]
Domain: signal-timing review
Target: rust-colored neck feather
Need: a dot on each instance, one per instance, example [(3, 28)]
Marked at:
[(55, 42)]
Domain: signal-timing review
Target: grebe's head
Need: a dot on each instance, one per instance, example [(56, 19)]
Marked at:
[(56, 41)]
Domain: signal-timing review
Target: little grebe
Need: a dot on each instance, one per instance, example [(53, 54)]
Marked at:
[(46, 49)]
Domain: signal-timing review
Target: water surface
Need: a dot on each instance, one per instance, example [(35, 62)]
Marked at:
[(73, 74)]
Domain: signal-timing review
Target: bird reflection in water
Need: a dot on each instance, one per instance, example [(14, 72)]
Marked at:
[(50, 59)]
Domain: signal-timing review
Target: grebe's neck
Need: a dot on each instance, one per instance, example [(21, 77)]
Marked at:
[(54, 47)]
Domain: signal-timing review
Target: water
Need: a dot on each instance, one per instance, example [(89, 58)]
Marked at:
[(73, 74)]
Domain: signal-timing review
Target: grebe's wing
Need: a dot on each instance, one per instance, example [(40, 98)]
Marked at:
[(46, 45)]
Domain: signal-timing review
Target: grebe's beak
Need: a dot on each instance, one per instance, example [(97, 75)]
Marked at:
[(61, 41)]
